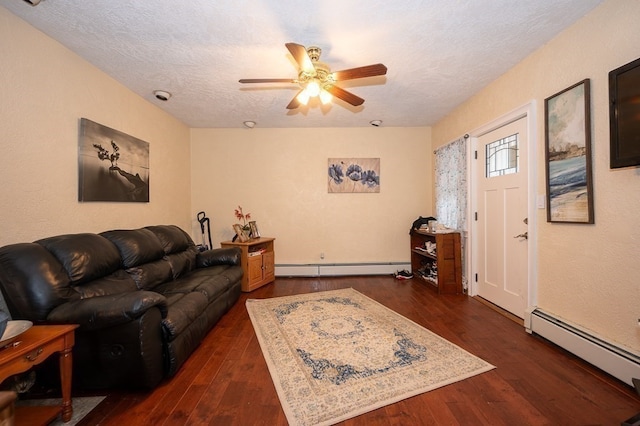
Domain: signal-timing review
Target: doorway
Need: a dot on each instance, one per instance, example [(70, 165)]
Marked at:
[(504, 217)]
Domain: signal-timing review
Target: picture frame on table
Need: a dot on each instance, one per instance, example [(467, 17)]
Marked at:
[(240, 233), (254, 229)]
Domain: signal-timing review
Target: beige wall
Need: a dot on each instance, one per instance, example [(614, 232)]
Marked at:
[(46, 89), (587, 274), (280, 177)]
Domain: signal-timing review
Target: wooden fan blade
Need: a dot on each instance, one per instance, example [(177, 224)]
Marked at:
[(295, 103), (299, 53), (344, 95), (360, 72), (268, 80)]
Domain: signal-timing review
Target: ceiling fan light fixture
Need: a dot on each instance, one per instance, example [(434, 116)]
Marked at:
[(303, 97), (249, 124), (325, 97), (313, 88), (315, 77)]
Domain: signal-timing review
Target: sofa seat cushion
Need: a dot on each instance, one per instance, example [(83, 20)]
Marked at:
[(215, 280), (181, 286), (211, 282), (184, 308), (152, 274), (118, 282)]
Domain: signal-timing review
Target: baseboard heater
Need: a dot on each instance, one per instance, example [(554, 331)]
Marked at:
[(338, 269), (618, 362)]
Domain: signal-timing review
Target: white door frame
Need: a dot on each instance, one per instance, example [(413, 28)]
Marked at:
[(529, 111)]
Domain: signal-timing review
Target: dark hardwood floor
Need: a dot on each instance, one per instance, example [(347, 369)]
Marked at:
[(226, 381)]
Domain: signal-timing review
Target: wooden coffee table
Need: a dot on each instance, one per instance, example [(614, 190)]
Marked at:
[(31, 348)]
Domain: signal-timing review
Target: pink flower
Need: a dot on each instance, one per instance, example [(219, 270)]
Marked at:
[(241, 216)]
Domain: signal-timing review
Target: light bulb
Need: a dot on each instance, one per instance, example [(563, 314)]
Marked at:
[(325, 97), (313, 88), (303, 97)]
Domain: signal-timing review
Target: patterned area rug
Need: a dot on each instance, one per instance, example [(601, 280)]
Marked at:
[(337, 354)]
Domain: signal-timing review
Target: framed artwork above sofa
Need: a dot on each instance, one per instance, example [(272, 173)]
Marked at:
[(112, 166)]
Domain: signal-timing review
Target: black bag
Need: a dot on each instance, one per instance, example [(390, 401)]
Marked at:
[(421, 221)]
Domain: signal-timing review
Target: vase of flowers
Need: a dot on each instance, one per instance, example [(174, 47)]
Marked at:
[(244, 217)]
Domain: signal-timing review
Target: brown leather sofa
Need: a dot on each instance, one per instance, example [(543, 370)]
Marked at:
[(144, 298)]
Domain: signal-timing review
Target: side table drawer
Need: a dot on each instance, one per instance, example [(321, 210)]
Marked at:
[(34, 356)]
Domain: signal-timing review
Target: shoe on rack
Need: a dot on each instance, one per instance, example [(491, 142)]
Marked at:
[(430, 247), (403, 275)]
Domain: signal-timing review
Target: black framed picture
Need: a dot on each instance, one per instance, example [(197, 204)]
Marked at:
[(112, 166), (568, 155)]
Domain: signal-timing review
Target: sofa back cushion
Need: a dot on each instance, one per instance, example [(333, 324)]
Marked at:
[(85, 257), (33, 281), (180, 250), (136, 246), (172, 238)]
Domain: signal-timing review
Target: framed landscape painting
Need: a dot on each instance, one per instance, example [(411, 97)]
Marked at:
[(568, 155)]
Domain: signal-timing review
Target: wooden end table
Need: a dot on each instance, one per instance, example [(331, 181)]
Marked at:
[(31, 348), (257, 260)]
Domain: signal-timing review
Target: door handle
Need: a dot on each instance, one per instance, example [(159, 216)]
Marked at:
[(525, 236)]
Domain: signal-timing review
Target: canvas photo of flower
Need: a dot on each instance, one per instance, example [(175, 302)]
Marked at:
[(353, 175)]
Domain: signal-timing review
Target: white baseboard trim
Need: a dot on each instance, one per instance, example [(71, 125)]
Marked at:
[(337, 269), (605, 355), (297, 271)]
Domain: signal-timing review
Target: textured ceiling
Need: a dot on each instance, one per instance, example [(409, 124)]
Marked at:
[(438, 52)]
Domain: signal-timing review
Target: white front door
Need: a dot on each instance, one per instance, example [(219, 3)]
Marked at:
[(502, 187)]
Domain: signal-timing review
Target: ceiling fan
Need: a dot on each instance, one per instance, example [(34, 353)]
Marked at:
[(317, 80)]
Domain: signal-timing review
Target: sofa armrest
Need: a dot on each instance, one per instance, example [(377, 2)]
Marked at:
[(107, 311), (219, 256)]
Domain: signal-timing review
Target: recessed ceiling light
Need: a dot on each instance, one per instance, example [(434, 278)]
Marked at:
[(249, 124), (376, 123), (162, 95)]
